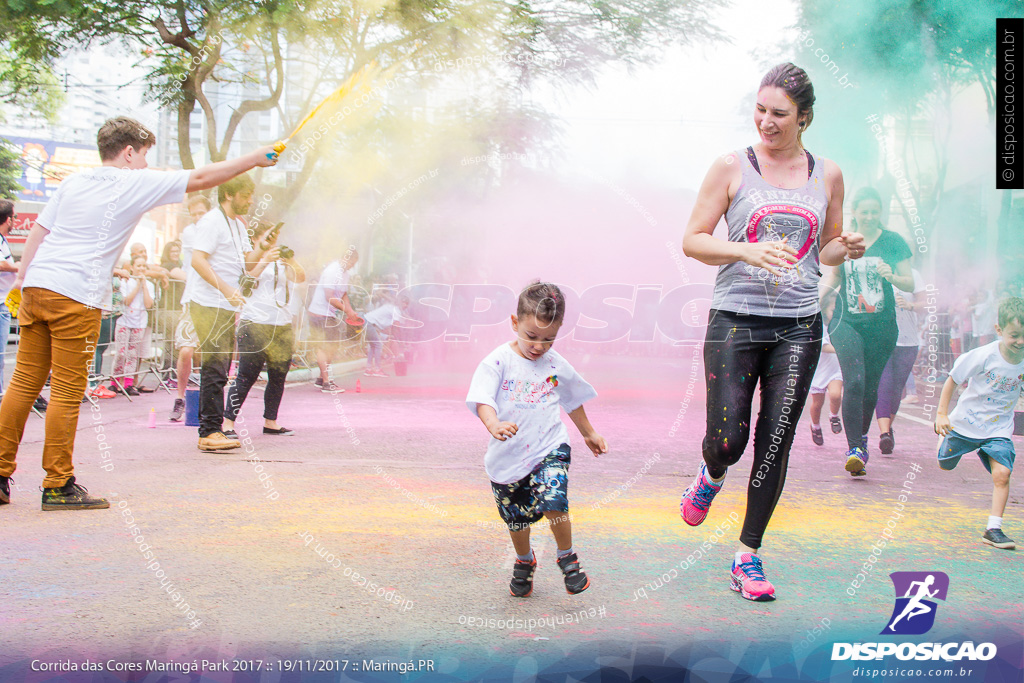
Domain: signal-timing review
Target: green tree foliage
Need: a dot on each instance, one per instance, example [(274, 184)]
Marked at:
[(908, 59), (29, 85), (10, 171), (312, 45)]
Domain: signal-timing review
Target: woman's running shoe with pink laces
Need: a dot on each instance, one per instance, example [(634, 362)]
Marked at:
[(693, 508), (748, 578)]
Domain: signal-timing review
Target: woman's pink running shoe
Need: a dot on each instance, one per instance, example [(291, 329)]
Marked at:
[(748, 579), (693, 508)]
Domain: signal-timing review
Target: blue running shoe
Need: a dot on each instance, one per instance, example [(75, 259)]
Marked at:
[(856, 460)]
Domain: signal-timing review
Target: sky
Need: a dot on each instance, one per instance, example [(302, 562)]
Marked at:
[(665, 123)]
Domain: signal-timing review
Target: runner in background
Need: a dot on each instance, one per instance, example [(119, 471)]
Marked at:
[(901, 363), (863, 327)]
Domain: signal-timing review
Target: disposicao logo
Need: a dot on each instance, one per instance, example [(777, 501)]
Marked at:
[(914, 614)]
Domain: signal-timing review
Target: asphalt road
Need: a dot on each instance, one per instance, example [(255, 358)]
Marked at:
[(388, 484)]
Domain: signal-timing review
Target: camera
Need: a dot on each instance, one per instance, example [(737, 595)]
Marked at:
[(286, 252), (246, 284)]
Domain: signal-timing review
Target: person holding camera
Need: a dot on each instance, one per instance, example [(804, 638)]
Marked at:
[(265, 333), (221, 257)]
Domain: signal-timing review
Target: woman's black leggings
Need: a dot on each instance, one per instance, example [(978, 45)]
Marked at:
[(259, 344), (741, 351), (863, 349)]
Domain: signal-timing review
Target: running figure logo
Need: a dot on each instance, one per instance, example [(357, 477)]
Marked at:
[(914, 612)]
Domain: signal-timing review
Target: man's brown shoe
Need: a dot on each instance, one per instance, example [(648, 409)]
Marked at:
[(217, 442)]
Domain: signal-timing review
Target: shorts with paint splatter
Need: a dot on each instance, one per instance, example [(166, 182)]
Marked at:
[(524, 502)]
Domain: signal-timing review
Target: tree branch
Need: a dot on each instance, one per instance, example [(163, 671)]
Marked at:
[(257, 105)]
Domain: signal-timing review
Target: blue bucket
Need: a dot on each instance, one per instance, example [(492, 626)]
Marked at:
[(192, 407)]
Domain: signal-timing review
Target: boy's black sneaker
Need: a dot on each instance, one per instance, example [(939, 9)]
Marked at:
[(816, 436), (72, 496), (5, 490), (997, 539), (837, 425), (886, 442), (40, 404), (522, 578), (575, 580)]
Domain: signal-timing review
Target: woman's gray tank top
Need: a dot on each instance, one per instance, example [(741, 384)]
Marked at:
[(761, 212)]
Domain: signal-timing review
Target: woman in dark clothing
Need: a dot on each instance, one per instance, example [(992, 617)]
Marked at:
[(863, 328)]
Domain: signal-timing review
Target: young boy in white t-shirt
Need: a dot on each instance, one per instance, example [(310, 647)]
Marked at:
[(516, 392), (982, 420), (65, 281)]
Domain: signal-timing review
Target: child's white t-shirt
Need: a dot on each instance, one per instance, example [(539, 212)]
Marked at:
[(134, 314), (985, 409), (906, 321), (528, 393), (91, 217)]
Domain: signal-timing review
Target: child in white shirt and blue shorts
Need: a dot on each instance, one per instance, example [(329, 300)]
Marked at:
[(982, 420), (517, 392)]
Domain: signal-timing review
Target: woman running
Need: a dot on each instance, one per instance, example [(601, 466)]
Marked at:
[(863, 327), (901, 362), (784, 210)]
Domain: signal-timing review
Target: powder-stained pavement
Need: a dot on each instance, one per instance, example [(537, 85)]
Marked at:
[(388, 484)]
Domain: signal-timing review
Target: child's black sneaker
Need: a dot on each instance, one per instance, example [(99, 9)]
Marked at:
[(72, 496), (837, 425), (5, 490), (816, 436), (522, 578), (997, 539), (575, 580)]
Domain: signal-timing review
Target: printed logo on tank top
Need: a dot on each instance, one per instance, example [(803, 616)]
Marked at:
[(782, 214)]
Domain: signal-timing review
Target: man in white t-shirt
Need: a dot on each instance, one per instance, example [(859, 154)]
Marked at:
[(221, 257), (185, 332), (325, 330), (8, 274), (65, 281)]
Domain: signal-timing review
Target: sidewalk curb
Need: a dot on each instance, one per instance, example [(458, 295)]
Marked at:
[(349, 367)]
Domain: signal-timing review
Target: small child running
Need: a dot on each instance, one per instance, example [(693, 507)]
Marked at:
[(516, 392), (130, 329), (982, 420), (828, 378)]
